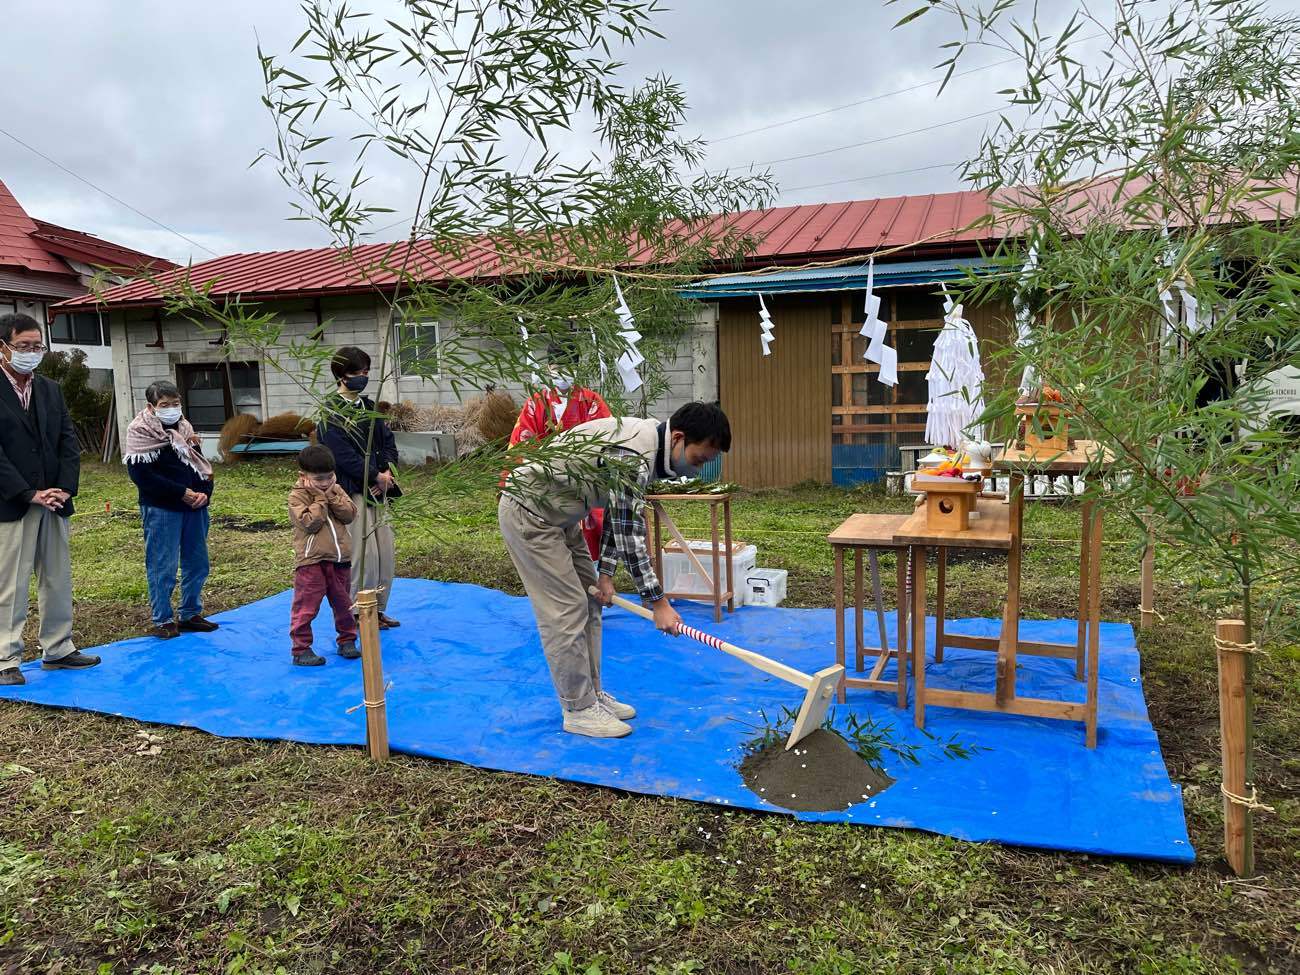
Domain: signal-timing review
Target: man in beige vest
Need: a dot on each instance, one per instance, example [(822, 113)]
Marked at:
[(604, 463)]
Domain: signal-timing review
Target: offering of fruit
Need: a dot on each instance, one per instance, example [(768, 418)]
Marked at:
[(1050, 395)]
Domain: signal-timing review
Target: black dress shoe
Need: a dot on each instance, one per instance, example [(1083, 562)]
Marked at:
[(308, 659), (386, 622), (11, 677), (166, 631), (197, 624), (73, 661)]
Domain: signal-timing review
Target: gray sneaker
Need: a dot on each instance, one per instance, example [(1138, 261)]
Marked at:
[(624, 712), (595, 722)]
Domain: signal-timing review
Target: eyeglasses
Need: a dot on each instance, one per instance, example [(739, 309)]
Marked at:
[(26, 347)]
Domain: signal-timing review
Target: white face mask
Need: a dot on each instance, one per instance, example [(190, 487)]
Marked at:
[(25, 362), (563, 383), (168, 414)]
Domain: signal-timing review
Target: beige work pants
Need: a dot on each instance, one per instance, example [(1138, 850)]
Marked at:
[(373, 528), (37, 542)]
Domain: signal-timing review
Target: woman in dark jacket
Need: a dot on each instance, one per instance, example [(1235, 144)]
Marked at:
[(364, 454), (174, 480)]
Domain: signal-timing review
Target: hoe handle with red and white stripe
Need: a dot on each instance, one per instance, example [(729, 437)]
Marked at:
[(818, 688), (766, 664)]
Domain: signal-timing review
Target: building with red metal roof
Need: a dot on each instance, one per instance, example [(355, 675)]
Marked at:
[(42, 263)]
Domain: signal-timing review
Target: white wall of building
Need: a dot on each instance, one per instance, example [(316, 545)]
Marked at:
[(288, 384)]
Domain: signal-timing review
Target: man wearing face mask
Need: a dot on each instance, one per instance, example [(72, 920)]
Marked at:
[(164, 457), (40, 465), (606, 462), (562, 407), (365, 452)]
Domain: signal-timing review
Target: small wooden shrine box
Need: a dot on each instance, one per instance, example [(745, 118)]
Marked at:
[(948, 501), (1052, 419)]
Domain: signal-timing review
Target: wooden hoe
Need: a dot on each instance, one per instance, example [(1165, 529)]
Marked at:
[(819, 688)]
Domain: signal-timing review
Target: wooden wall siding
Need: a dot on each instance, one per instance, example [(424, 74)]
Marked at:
[(779, 405)]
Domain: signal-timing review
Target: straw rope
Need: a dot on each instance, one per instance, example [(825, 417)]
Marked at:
[(1250, 802), (1231, 647)]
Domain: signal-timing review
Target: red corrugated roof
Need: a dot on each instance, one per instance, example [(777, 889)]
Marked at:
[(17, 248), (89, 249), (813, 231)]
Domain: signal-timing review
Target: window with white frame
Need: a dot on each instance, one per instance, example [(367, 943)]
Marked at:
[(417, 348), (79, 328)]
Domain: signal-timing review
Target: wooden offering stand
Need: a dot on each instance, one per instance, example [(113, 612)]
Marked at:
[(948, 501), (1044, 428)]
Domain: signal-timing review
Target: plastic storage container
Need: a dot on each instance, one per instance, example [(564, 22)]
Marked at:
[(680, 575), (765, 587)]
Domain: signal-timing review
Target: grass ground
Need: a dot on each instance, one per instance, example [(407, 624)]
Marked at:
[(245, 857)]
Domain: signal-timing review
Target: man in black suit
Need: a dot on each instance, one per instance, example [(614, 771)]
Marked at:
[(40, 464)]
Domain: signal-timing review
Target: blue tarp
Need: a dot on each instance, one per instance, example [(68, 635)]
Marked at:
[(469, 684)]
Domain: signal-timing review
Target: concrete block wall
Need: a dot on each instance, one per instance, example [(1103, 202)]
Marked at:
[(287, 383)]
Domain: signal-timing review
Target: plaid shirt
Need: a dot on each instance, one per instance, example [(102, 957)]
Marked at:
[(624, 535)]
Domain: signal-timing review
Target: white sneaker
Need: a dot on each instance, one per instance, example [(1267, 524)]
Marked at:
[(595, 722), (624, 712)]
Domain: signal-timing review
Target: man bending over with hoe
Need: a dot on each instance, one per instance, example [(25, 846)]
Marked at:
[(604, 463)]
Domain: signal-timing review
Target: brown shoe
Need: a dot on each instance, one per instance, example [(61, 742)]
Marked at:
[(73, 661), (386, 622), (11, 677), (197, 624), (166, 631)]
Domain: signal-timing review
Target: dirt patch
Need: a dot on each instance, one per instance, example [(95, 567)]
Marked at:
[(820, 774), (243, 525)]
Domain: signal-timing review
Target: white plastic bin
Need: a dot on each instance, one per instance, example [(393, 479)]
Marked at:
[(680, 575), (765, 587)]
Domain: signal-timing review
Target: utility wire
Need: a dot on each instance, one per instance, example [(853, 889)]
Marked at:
[(100, 189), (863, 179)]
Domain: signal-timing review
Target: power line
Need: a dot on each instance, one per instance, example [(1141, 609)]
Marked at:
[(863, 179), (100, 189), (859, 145), (860, 101), (876, 98)]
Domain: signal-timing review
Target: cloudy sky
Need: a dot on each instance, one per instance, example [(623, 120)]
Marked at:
[(158, 105)]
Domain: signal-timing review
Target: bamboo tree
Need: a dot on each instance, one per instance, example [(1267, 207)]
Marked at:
[(1150, 157)]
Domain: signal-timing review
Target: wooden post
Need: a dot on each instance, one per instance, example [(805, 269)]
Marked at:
[(726, 537), (1094, 622), (1148, 608), (1234, 704), (372, 675), (903, 617), (1085, 582), (858, 641), (717, 566), (940, 607), (839, 615), (918, 632)]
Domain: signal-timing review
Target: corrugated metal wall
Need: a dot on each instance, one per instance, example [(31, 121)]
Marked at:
[(779, 405)]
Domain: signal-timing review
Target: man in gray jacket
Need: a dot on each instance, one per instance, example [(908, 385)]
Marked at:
[(604, 463)]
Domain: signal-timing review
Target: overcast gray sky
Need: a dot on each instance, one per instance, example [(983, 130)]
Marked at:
[(158, 103)]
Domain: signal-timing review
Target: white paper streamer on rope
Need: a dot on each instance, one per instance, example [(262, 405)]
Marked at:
[(956, 381), (765, 323), (873, 329), (1024, 315), (595, 347), (630, 361), (534, 375)]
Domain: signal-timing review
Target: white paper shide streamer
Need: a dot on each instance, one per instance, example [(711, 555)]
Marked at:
[(874, 331), (765, 323), (1024, 316), (956, 381), (629, 362), (534, 375)]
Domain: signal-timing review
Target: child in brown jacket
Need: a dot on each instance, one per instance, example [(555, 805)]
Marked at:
[(320, 512)]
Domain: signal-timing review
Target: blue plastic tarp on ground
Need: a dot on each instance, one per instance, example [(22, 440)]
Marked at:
[(469, 684)]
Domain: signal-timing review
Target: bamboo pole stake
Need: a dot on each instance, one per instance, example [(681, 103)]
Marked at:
[(372, 675), (1148, 607), (1238, 838)]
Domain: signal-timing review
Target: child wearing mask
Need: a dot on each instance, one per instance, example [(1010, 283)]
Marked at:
[(320, 512), (164, 459), (364, 453)]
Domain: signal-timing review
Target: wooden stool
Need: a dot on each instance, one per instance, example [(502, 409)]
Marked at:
[(659, 519), (871, 533)]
